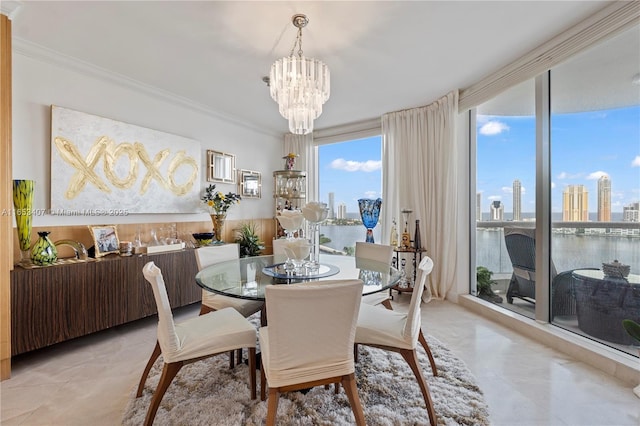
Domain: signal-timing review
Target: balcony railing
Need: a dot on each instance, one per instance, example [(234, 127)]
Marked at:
[(573, 244)]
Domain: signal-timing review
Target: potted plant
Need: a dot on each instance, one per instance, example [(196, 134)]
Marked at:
[(247, 238), (633, 328), (484, 283)]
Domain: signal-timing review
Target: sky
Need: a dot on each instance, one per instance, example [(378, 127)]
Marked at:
[(351, 170), (584, 146)]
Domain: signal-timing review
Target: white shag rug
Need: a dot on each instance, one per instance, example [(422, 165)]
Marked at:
[(209, 393)]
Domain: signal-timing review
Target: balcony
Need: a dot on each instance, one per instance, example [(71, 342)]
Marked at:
[(574, 245)]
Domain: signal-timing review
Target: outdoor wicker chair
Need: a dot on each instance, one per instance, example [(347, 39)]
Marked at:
[(521, 246), (603, 303)]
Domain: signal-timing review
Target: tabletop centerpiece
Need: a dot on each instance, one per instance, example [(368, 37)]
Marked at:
[(218, 203), (315, 213), (291, 222)]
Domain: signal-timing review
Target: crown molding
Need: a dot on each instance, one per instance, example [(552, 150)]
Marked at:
[(43, 54), (10, 8), (355, 130)]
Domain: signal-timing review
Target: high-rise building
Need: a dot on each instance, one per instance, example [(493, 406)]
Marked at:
[(478, 206), (604, 199), (517, 200), (497, 211), (575, 204), (631, 213), (332, 212), (342, 211)]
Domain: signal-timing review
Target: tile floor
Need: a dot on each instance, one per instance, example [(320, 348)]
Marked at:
[(88, 381)]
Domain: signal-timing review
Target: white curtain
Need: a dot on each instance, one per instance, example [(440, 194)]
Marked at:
[(419, 163), (303, 146)]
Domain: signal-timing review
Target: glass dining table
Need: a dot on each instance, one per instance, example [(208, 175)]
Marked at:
[(247, 278)]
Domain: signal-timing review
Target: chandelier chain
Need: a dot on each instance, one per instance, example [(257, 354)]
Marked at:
[(298, 42)]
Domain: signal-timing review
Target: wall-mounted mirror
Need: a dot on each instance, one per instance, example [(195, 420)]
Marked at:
[(221, 167), (249, 184)]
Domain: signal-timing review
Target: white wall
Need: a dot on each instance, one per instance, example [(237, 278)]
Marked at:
[(40, 80)]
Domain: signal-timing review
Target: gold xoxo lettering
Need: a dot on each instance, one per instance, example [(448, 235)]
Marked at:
[(107, 149)]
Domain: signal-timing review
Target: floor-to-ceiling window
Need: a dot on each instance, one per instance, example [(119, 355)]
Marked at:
[(591, 194), (595, 170), (505, 195), (348, 171)]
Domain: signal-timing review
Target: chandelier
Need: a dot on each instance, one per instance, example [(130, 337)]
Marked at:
[(299, 85)]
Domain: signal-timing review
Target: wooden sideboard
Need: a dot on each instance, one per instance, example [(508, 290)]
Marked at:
[(57, 303)]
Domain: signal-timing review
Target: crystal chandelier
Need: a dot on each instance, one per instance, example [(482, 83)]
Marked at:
[(299, 85)]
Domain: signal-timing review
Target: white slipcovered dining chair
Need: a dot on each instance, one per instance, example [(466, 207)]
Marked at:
[(378, 253), (309, 340), (193, 340), (207, 256), (400, 332)]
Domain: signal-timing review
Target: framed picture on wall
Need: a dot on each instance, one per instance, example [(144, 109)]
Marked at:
[(105, 239), (250, 184)]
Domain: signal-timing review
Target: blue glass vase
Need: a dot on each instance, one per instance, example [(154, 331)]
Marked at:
[(369, 212)]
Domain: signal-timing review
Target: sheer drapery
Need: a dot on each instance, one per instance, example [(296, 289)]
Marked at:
[(302, 145), (419, 163)]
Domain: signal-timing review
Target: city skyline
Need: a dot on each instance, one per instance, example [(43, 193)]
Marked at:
[(584, 147), (350, 170)]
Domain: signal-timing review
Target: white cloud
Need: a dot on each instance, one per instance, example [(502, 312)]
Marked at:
[(371, 194), (563, 175), (636, 161), (493, 128), (597, 175), (553, 185), (356, 166), (494, 197)]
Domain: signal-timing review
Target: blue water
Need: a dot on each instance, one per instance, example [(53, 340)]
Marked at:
[(568, 251)]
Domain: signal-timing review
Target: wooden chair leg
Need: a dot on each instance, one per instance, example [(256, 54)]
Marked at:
[(425, 345), (169, 371), (412, 359), (204, 309), (272, 406), (263, 384), (232, 362), (355, 352), (154, 356), (252, 372), (349, 383), (239, 356), (387, 304)]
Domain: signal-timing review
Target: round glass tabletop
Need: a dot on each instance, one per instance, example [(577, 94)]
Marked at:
[(247, 278)]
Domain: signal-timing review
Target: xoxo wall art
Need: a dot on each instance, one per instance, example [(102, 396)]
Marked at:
[(102, 164)]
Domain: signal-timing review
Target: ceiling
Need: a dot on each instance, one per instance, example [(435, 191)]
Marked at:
[(383, 56)]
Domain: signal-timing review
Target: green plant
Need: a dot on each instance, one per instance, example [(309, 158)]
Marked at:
[(247, 238), (217, 202), (632, 327), (484, 283)]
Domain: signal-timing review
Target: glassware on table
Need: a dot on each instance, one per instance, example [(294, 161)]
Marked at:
[(315, 213), (297, 250), (369, 212), (291, 222)]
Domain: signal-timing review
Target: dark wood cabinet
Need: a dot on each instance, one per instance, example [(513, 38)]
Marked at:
[(57, 303)]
